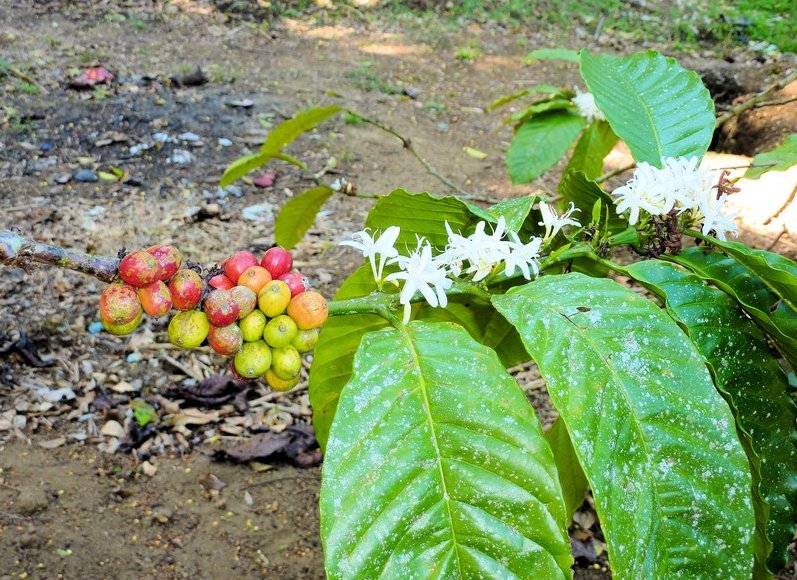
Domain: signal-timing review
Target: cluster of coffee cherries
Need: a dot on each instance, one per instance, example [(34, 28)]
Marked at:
[(258, 311)]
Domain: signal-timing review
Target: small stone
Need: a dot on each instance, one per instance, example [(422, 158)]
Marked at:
[(161, 138), (148, 469), (190, 137), (85, 176), (134, 357), (95, 328), (138, 148), (224, 142), (31, 500), (63, 179), (113, 429), (181, 157)]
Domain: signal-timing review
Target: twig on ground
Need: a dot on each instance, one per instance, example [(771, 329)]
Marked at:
[(756, 100)]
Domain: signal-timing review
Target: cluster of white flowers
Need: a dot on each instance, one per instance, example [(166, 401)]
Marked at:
[(681, 186), (585, 103), (478, 254)]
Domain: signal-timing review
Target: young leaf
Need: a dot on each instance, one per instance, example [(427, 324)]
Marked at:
[(501, 101), (571, 476), (652, 103), (779, 159), (540, 143), (436, 466), (554, 103), (552, 54), (334, 353), (286, 132), (736, 280), (298, 214), (242, 166), (514, 211), (745, 372), (592, 148), (656, 441)]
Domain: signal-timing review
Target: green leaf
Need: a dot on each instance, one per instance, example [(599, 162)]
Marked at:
[(736, 280), (298, 214), (242, 166), (483, 323), (333, 355), (552, 54), (751, 378), (592, 148), (501, 101), (652, 103), (286, 132), (424, 215), (571, 476), (583, 192), (554, 103), (540, 143), (776, 271), (437, 467), (779, 159), (514, 211), (656, 441)]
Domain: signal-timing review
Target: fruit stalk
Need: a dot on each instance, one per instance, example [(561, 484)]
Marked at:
[(21, 252)]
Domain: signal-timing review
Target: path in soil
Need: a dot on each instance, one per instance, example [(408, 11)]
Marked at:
[(75, 510)]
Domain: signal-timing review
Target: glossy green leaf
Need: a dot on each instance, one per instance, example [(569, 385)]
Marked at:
[(298, 214), (422, 215), (242, 166), (736, 280), (746, 372), (286, 132), (779, 159), (333, 355), (514, 211), (540, 143), (571, 476), (576, 187), (652, 103), (656, 441), (592, 148), (552, 54), (436, 467)]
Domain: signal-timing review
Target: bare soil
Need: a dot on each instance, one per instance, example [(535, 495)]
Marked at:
[(74, 510)]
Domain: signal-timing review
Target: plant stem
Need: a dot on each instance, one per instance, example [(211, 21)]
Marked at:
[(21, 252), (757, 100), (614, 173)]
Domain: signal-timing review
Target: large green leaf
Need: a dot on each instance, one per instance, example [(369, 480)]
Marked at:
[(540, 143), (298, 214), (779, 159), (776, 271), (576, 187), (334, 353), (656, 441), (422, 215), (736, 280), (652, 103), (746, 372), (571, 476), (436, 467), (592, 148), (514, 211)]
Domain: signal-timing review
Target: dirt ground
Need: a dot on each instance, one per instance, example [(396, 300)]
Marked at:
[(68, 507)]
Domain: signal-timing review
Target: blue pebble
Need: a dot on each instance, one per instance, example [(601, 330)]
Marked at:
[(95, 328)]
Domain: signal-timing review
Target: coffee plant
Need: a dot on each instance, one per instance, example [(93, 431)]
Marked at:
[(668, 351)]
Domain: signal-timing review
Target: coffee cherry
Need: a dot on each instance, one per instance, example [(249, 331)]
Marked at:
[(221, 282), (189, 329), (237, 264), (277, 261), (274, 298), (253, 359), (279, 384), (280, 331), (169, 258), (122, 329), (308, 310), (295, 281), (139, 269), (221, 308), (119, 303), (252, 326), (226, 340), (286, 362), (255, 278), (186, 289), (245, 298), (156, 299), (305, 340)]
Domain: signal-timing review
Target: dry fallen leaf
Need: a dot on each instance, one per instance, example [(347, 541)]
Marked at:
[(53, 443)]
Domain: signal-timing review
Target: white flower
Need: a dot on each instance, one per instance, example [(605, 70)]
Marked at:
[(421, 273), (587, 108), (457, 251), (710, 210), (687, 185), (370, 247), (522, 256), (486, 251), (553, 222), (645, 190)]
